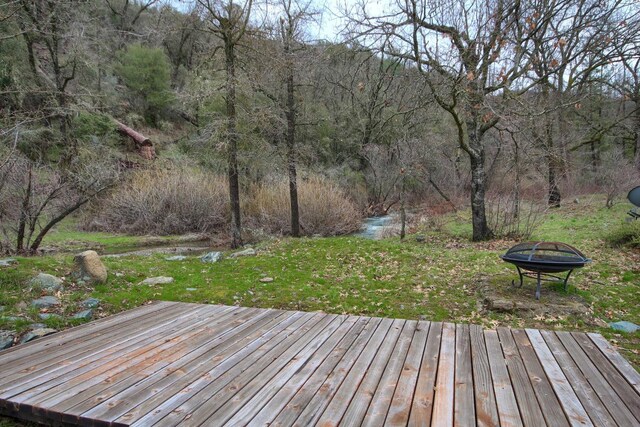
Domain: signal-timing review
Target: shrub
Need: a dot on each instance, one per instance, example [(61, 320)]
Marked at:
[(86, 125), (324, 208), (146, 71), (509, 216), (165, 202), (627, 234)]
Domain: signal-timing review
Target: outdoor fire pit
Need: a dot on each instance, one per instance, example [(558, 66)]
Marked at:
[(544, 260), (634, 198)]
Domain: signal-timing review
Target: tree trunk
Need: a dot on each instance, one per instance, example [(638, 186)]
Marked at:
[(43, 232), (291, 143), (554, 192), (481, 230), (554, 196), (232, 135), (637, 146), (516, 191), (24, 212)]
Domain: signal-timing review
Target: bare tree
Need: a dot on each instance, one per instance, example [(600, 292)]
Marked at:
[(627, 75), (127, 13), (455, 46), (35, 196), (228, 21), (50, 37), (473, 55), (566, 67), (382, 99)]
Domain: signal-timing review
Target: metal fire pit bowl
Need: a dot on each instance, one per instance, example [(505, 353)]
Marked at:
[(544, 260)]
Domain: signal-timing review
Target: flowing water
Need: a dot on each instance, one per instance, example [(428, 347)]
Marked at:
[(372, 227)]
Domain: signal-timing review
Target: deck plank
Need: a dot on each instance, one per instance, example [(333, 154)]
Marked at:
[(248, 385), (569, 358), (551, 408), (615, 379), (241, 410), (119, 397), (381, 401), (178, 343), (167, 394), (178, 405), (59, 374), (485, 399), (400, 408), (443, 401), (508, 411), (422, 405), (616, 408), (169, 364), (526, 397), (340, 381), (576, 413), (64, 338), (308, 380), (361, 399), (464, 410), (40, 361), (626, 370)]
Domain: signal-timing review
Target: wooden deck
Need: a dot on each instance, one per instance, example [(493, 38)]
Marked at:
[(189, 364)]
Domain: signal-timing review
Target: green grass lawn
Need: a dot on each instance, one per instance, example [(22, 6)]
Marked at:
[(440, 279)]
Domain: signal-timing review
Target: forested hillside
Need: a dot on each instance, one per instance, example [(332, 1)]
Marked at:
[(150, 116)]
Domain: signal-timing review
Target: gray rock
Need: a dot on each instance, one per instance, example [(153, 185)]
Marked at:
[(35, 326), (246, 252), (45, 302), (160, 280), (8, 262), (192, 289), (2, 308), (624, 326), (46, 282), (89, 268), (6, 339), (84, 315), (505, 306), (37, 333), (90, 303), (176, 258), (266, 280), (45, 316), (211, 257), (420, 238)]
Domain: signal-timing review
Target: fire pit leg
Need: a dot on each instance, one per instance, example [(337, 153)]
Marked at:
[(538, 287), (565, 280), (519, 274)]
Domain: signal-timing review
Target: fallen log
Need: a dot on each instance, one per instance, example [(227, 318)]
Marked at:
[(144, 145)]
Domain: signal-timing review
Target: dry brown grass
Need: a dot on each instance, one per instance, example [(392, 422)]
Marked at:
[(325, 209), (165, 202)]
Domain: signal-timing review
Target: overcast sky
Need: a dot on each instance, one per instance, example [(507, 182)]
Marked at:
[(329, 24)]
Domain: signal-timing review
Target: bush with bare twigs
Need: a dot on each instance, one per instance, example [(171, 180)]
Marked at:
[(165, 202), (324, 208), (510, 216)]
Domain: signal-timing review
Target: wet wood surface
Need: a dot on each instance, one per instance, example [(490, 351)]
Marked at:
[(171, 363)]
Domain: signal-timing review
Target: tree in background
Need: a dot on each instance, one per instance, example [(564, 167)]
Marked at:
[(280, 71), (475, 56), (228, 21), (147, 73)]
